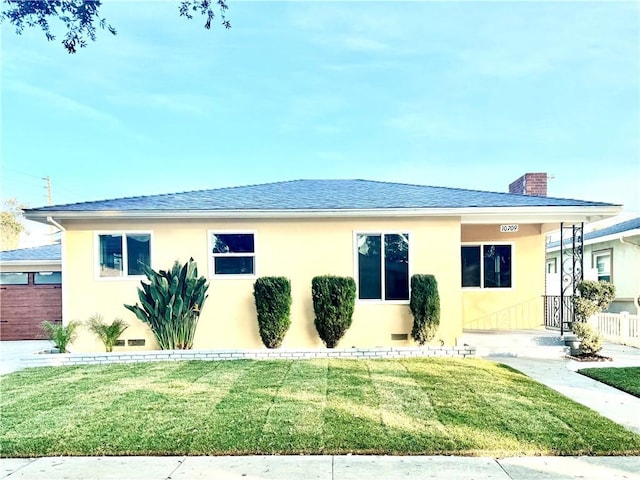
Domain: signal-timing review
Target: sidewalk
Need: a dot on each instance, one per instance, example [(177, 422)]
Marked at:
[(321, 468)]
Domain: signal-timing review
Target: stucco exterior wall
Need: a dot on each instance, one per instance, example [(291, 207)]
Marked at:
[(518, 307), (298, 249)]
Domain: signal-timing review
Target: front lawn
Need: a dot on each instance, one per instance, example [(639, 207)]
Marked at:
[(626, 379), (413, 406)]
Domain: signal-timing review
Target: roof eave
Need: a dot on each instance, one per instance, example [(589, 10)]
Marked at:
[(529, 214), (602, 239), (19, 263)]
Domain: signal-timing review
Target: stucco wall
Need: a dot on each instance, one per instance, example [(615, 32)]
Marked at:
[(298, 249), (519, 307)]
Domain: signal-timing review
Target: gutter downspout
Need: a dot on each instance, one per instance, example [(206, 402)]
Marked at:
[(56, 224), (63, 263), (636, 298)]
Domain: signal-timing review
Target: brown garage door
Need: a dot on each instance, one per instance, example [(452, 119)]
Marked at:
[(32, 298)]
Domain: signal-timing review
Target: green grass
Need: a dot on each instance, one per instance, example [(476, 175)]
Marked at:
[(416, 406), (626, 379)]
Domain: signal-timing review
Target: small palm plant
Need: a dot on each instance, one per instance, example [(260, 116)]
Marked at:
[(107, 333), (61, 335)]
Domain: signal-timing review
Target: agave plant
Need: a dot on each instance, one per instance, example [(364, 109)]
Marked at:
[(170, 302), (107, 333), (61, 335)]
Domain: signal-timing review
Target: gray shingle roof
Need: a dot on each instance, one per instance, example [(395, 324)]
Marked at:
[(36, 254), (621, 227), (319, 195)]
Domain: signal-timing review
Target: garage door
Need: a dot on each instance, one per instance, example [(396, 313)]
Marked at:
[(26, 300)]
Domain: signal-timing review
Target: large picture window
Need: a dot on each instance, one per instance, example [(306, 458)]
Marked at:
[(486, 266), (123, 254), (383, 266), (233, 253)]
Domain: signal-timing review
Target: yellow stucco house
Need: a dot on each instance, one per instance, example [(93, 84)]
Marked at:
[(486, 250)]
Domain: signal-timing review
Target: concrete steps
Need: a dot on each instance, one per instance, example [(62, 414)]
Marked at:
[(521, 343)]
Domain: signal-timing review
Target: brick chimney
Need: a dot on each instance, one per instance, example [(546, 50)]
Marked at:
[(530, 184)]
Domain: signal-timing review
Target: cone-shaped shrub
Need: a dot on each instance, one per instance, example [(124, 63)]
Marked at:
[(425, 307), (273, 304), (171, 302), (333, 301)]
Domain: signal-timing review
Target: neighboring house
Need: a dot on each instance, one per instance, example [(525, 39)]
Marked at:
[(30, 291), (611, 254), (485, 250)]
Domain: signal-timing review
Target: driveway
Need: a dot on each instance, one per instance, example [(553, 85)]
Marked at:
[(12, 351)]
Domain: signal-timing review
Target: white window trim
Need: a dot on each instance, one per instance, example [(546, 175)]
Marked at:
[(356, 275), (125, 254), (605, 252), (482, 288), (212, 275)]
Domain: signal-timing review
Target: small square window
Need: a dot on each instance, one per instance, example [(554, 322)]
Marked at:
[(233, 253), (123, 254), (493, 271)]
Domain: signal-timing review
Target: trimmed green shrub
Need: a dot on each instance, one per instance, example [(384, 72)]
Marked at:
[(273, 303), (590, 338), (334, 299), (171, 302), (425, 307), (61, 335), (107, 333), (592, 297)]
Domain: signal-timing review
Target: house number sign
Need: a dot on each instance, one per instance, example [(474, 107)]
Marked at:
[(509, 228)]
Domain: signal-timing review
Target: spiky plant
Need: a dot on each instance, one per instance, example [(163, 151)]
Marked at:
[(61, 335), (107, 333)]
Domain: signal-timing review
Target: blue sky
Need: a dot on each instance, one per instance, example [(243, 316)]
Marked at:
[(466, 94)]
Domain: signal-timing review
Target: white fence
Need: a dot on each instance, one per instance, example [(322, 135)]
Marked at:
[(618, 327)]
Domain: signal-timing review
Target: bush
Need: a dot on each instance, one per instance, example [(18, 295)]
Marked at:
[(273, 303), (171, 302), (61, 335), (425, 307), (590, 338), (333, 301), (107, 333), (593, 297)]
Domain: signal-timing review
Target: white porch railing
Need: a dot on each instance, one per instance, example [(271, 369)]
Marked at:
[(618, 327)]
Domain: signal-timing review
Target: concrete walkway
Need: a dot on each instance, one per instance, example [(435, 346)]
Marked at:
[(559, 374), (321, 468), (11, 353)]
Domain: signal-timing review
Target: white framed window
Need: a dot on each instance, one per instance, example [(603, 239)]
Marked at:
[(552, 265), (601, 260), (487, 265), (233, 253), (382, 266), (122, 254)]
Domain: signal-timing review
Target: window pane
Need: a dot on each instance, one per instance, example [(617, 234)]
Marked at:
[(497, 266), (396, 266), (233, 265), (233, 243), (110, 255), (14, 278), (47, 278), (470, 266), (138, 253), (369, 266)]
